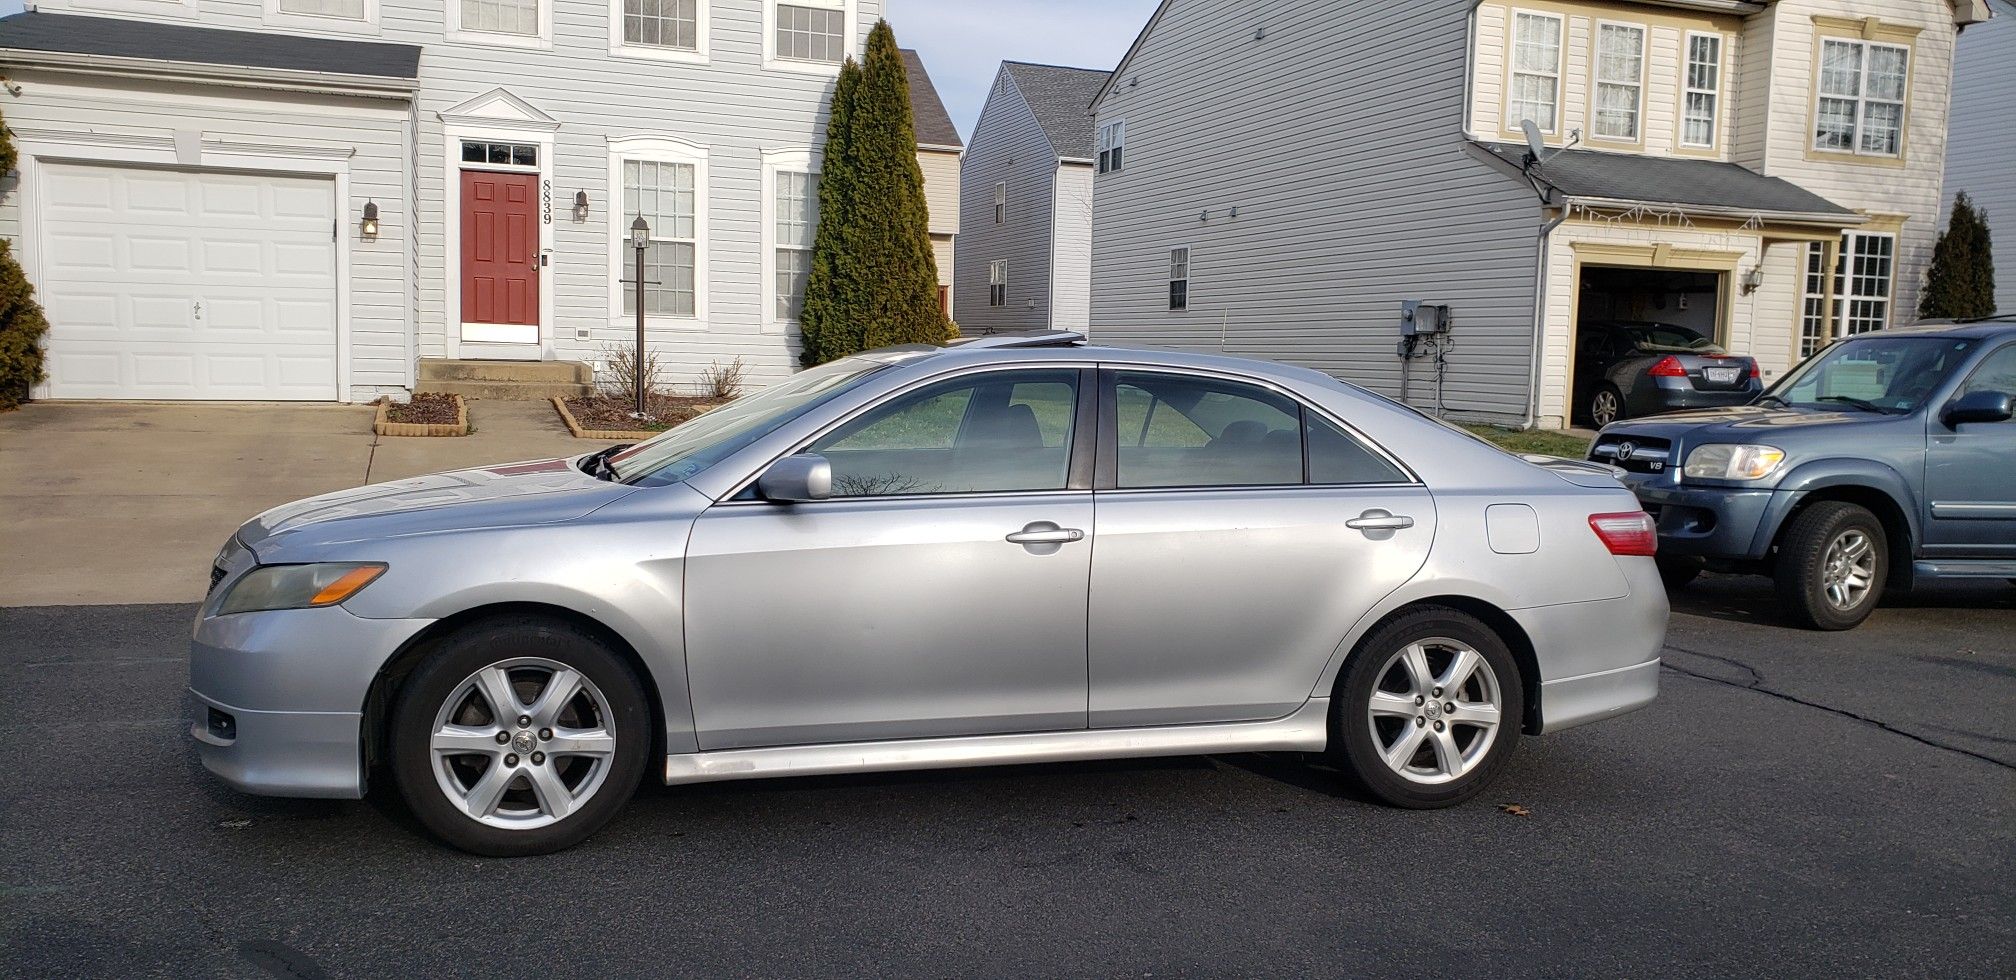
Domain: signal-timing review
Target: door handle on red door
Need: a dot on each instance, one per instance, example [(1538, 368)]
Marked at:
[(1044, 532), (1380, 520)]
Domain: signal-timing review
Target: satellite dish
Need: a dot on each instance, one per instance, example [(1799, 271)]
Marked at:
[(1534, 144)]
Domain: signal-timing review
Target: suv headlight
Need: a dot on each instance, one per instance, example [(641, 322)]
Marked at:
[(298, 586), (1728, 462)]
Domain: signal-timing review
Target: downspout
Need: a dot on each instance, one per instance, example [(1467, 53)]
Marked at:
[(1539, 317)]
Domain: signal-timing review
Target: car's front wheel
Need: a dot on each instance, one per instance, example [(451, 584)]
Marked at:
[(1831, 566), (519, 736), (1427, 710)]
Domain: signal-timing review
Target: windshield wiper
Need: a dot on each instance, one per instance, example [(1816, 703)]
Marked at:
[(1761, 399), (1867, 406), (598, 464)]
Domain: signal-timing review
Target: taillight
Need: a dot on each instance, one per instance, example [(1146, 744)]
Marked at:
[(1629, 533), (1755, 372), (1668, 367)]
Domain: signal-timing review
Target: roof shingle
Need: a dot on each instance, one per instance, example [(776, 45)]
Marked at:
[(1061, 98), (112, 37), (927, 111), (1669, 180)]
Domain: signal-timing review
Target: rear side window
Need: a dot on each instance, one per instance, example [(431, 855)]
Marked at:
[(1182, 431)]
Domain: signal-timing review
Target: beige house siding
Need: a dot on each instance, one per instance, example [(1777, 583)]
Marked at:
[(941, 197)]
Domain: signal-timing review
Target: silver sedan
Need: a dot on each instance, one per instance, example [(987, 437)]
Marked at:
[(1013, 550)]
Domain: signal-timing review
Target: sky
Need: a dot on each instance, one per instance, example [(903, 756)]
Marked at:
[(963, 42)]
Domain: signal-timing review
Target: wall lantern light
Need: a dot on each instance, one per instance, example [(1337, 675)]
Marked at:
[(580, 205), (369, 226), (1753, 280), (640, 233)]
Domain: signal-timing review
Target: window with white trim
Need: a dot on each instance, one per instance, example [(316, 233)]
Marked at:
[(332, 9), (997, 283), (662, 23), (501, 16), (1179, 278), (1000, 201), (1860, 104), (1864, 277), (809, 30), (1701, 98), (1536, 71), (796, 216), (665, 195), (1112, 144), (1620, 80)]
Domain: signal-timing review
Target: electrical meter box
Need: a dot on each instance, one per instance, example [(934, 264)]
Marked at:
[(1417, 317)]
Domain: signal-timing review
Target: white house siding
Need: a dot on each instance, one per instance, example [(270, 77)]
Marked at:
[(1981, 157), (1007, 146), (1071, 248), (62, 116), (1908, 189), (1355, 190)]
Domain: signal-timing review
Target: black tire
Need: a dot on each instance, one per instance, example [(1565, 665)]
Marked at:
[(1355, 739), (497, 641), (1606, 392), (1679, 571), (1803, 571)]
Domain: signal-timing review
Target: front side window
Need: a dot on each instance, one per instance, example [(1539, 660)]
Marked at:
[(997, 283), (665, 195), (1860, 107), (1703, 91), (1181, 431), (995, 433), (1179, 278), (1112, 146), (1997, 373), (1536, 71), (501, 16), (811, 31), (662, 23), (1620, 80), (336, 9), (797, 210)]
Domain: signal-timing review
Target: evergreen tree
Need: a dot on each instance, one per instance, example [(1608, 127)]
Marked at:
[(1961, 282), (874, 279), (21, 321)]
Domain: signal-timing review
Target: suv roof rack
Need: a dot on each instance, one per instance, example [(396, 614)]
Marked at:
[(1043, 338)]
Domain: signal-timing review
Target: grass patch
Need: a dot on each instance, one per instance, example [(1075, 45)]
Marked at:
[(1545, 442)]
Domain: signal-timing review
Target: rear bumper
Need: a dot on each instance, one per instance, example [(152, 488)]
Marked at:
[(1573, 701), (1599, 659)]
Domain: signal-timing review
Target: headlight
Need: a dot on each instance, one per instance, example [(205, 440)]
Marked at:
[(1725, 462), (297, 586)]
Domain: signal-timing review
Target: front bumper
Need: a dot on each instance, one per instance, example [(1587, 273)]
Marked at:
[(292, 684), (1705, 522)]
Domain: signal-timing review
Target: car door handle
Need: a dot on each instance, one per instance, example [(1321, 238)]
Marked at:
[(1046, 534), (1379, 520)]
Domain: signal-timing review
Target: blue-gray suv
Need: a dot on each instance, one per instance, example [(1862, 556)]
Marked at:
[(1886, 460)]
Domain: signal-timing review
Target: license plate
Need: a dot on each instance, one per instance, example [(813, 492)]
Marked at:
[(1721, 376)]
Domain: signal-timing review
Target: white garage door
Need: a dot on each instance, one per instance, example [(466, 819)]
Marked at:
[(177, 284)]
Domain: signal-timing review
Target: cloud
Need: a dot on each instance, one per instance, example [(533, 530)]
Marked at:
[(963, 42)]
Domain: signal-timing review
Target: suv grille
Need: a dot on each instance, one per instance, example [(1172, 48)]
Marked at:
[(1633, 453)]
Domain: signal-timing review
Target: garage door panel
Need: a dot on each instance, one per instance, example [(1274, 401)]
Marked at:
[(168, 284)]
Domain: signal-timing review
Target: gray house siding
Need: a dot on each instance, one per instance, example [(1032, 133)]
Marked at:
[(1009, 147), (1981, 150), (1339, 143)]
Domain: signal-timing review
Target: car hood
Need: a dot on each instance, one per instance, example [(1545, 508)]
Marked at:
[(1743, 423), (537, 492)]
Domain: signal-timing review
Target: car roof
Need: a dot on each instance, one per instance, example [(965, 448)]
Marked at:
[(1063, 345), (1996, 326)]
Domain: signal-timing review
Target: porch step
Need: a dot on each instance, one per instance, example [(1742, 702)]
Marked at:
[(520, 391), (505, 380)]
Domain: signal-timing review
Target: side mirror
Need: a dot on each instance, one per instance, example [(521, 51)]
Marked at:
[(794, 479), (1978, 406)]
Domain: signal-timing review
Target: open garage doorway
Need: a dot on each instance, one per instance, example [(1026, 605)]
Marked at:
[(1625, 316)]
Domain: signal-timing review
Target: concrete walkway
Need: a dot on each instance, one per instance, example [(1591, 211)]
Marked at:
[(127, 502)]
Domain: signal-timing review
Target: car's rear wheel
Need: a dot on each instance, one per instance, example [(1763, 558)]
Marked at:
[(519, 736), (1679, 571), (1831, 566), (1605, 406), (1427, 710)]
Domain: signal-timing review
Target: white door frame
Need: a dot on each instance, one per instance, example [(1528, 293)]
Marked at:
[(42, 146), (496, 116)]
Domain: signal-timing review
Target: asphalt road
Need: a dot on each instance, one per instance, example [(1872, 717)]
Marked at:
[(1794, 804)]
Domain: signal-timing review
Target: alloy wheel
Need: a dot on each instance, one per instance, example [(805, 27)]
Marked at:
[(1848, 569), (1603, 409), (1435, 710), (522, 743)]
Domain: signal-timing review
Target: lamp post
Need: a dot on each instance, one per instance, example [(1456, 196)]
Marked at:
[(640, 237)]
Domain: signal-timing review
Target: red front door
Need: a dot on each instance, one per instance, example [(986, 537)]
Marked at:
[(500, 249)]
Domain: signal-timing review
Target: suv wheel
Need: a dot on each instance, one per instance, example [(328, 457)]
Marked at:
[(1605, 406), (519, 736), (1427, 711), (1831, 566)]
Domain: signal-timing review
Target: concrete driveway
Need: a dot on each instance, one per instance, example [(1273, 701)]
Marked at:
[(122, 502)]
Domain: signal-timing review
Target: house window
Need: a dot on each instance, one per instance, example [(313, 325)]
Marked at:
[(797, 216), (500, 154), (1860, 108), (1815, 317), (811, 32), (1179, 278), (501, 16), (1620, 80), (1536, 71), (1863, 276), (1000, 202), (664, 194), (662, 23), (334, 9), (1112, 141), (997, 283), (1703, 90)]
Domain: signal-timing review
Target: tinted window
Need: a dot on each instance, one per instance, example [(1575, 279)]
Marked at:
[(995, 432), (1997, 373), (1336, 457), (1668, 339), (1197, 432)]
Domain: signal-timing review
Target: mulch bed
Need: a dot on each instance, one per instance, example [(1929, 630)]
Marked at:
[(426, 408), (610, 414)]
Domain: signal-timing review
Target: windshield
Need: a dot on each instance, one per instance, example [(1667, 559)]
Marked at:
[(1667, 339), (680, 453), (1888, 375)]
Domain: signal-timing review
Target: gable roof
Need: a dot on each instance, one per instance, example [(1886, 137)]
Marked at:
[(37, 33), (1061, 99), (1680, 182), (927, 110)]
